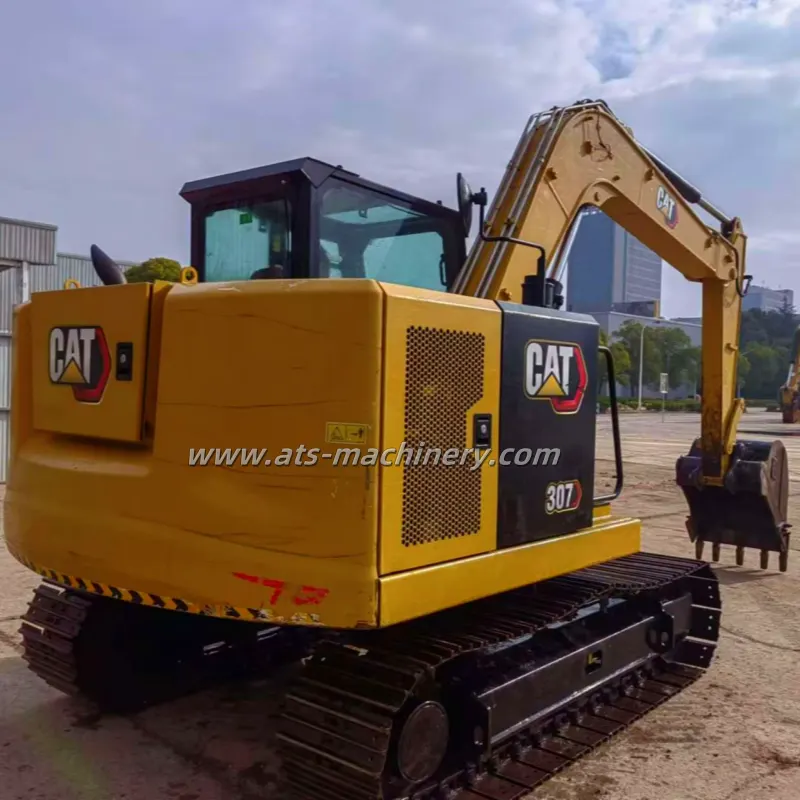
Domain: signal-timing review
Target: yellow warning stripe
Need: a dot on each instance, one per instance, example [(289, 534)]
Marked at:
[(160, 601)]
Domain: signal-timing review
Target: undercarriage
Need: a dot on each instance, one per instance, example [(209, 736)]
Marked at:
[(484, 701)]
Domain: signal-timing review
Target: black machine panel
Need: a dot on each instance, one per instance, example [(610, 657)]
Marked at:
[(548, 420)]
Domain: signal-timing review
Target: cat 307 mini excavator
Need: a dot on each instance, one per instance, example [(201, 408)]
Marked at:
[(470, 619)]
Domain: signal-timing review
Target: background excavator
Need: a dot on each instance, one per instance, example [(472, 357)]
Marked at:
[(468, 629), (789, 395)]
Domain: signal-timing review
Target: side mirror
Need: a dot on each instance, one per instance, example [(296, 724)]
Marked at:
[(465, 203), (106, 268)]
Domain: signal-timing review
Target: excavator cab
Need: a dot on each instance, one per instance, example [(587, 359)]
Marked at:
[(307, 219)]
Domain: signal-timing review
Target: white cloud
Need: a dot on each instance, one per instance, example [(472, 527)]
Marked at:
[(109, 109)]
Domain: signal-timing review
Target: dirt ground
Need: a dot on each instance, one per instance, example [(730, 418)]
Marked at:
[(734, 734)]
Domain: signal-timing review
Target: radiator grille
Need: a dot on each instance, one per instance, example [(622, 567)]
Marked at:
[(444, 379)]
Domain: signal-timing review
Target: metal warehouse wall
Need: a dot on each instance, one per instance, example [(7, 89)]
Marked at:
[(21, 244)]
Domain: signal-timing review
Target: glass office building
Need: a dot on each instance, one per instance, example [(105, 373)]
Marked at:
[(766, 299), (607, 267)]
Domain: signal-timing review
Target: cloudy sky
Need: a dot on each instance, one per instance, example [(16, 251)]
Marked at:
[(109, 107)]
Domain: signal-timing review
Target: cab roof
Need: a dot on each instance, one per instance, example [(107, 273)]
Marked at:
[(313, 170)]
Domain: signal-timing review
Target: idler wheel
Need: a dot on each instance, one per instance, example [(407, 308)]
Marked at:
[(423, 742)]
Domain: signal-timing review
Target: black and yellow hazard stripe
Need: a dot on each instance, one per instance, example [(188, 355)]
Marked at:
[(160, 601)]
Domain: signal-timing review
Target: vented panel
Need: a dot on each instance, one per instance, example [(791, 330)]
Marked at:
[(444, 379)]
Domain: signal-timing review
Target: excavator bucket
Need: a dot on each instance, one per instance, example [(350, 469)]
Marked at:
[(749, 510)]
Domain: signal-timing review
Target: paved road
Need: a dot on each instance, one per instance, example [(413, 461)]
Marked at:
[(649, 438)]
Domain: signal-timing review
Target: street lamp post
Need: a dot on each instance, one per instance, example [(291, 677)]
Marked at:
[(641, 365), (641, 360)]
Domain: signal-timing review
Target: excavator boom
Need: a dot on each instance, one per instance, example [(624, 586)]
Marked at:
[(581, 156)]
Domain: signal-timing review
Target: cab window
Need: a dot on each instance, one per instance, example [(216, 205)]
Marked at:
[(250, 239), (366, 235)]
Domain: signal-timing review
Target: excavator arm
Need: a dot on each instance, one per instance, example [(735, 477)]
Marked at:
[(578, 156), (790, 391)]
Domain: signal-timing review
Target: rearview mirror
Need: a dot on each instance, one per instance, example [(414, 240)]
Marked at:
[(465, 200)]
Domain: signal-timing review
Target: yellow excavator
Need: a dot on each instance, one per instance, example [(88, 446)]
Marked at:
[(789, 395), (344, 440)]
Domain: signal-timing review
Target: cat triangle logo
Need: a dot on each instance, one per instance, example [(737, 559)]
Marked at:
[(556, 372), (72, 374), (79, 358), (551, 388)]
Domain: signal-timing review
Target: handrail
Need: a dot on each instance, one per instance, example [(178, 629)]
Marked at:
[(612, 394)]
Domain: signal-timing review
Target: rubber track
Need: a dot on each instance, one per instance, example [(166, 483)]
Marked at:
[(336, 729)]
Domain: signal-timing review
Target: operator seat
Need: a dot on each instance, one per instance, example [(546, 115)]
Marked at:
[(268, 272)]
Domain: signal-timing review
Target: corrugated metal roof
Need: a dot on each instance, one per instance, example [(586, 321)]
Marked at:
[(29, 223), (33, 242)]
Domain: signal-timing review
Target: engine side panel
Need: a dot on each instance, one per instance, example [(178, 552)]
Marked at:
[(547, 424), (442, 370)]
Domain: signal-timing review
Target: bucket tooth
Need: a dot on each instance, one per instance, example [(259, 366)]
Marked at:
[(699, 546), (749, 509)]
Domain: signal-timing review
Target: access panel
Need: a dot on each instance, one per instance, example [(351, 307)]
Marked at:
[(548, 399), (89, 360)]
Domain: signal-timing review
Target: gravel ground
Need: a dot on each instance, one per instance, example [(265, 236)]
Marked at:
[(734, 734)]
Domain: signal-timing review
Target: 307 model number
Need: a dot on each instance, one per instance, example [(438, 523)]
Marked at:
[(562, 496)]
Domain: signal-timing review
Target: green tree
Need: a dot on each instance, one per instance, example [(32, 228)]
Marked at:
[(622, 364), (674, 354), (685, 366), (766, 365), (629, 335), (767, 341), (742, 371), (154, 269)]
